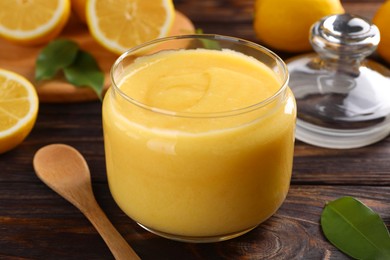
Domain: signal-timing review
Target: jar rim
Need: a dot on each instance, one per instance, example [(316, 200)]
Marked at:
[(242, 110)]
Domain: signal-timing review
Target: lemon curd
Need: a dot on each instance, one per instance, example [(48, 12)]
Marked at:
[(199, 143)]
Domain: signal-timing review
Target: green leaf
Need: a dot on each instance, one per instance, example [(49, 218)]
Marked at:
[(355, 229), (207, 43), (85, 72), (57, 55)]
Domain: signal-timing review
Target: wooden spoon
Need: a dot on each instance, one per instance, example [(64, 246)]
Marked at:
[(66, 172)]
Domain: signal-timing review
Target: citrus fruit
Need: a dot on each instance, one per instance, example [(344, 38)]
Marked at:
[(18, 109), (34, 21), (123, 24), (78, 6), (285, 24), (382, 20)]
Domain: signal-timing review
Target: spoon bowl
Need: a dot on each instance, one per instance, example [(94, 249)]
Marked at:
[(64, 170)]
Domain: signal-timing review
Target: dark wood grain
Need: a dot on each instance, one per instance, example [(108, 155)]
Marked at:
[(47, 226), (35, 223)]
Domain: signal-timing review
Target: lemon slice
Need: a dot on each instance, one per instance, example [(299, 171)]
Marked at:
[(18, 109), (34, 21), (121, 24)]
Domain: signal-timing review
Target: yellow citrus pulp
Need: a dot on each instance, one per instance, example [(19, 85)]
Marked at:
[(18, 109), (121, 24), (382, 20), (285, 24), (34, 21)]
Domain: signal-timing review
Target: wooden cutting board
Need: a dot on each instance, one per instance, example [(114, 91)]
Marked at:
[(21, 59)]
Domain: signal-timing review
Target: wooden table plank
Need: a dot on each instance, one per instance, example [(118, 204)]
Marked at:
[(49, 226), (82, 128)]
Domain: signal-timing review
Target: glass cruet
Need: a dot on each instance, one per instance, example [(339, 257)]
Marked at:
[(343, 99)]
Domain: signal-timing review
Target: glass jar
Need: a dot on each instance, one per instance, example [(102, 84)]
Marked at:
[(187, 157)]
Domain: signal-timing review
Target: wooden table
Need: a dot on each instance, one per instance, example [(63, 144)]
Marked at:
[(36, 223)]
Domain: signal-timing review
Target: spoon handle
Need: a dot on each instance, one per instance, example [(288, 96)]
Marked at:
[(117, 244)]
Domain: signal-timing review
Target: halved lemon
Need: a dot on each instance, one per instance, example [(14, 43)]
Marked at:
[(33, 22), (121, 24), (18, 109)]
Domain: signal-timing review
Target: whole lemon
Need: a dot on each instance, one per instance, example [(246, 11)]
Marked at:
[(285, 24), (382, 20)]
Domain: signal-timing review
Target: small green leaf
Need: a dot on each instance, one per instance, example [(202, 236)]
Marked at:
[(57, 55), (355, 229), (208, 43), (85, 72)]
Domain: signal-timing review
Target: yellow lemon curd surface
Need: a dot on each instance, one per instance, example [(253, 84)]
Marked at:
[(175, 168)]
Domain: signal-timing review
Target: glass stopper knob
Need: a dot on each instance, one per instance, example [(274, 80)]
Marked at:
[(344, 36)]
